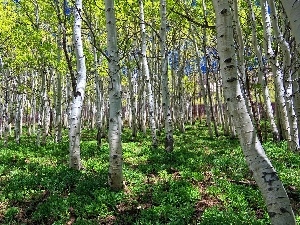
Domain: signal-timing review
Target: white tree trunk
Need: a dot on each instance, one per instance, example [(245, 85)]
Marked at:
[(115, 173), (277, 72), (262, 76), (99, 98), (151, 111), (33, 105), (133, 103), (293, 139), (292, 8), (76, 106), (164, 78), (277, 201), (40, 116), (18, 119), (296, 91), (46, 121)]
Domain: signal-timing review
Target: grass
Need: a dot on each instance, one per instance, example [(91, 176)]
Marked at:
[(204, 181)]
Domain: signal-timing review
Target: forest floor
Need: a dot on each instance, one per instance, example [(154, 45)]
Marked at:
[(203, 181)]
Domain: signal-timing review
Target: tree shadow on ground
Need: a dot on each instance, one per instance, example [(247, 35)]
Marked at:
[(197, 183)]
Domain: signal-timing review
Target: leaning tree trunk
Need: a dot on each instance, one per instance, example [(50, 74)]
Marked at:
[(76, 105), (164, 78), (115, 173), (273, 192)]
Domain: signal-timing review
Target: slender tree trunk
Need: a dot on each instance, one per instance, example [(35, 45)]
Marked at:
[(293, 139), (33, 105), (99, 99), (132, 104), (147, 76), (58, 103), (164, 78), (292, 9), (262, 76), (40, 116), (115, 173), (18, 119), (76, 105), (203, 92), (277, 201), (281, 110)]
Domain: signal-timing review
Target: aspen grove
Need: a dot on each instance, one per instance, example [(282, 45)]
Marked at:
[(139, 108)]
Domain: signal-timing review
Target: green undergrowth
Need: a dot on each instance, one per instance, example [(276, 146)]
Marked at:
[(203, 181)]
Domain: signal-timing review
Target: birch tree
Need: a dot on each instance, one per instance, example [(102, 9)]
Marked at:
[(76, 105), (293, 139), (147, 76), (292, 9), (261, 74), (273, 192), (164, 77), (115, 173)]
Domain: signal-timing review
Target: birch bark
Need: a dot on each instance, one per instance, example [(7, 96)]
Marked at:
[(277, 72), (115, 173), (293, 139), (272, 190), (164, 78), (292, 9), (133, 100), (262, 76), (147, 76), (76, 105)]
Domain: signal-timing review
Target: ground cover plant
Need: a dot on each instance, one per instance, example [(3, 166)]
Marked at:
[(203, 181)]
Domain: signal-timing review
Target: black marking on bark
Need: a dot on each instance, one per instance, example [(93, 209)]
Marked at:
[(115, 156), (223, 11), (295, 2), (231, 79), (283, 210), (77, 93), (228, 99), (272, 214), (228, 60), (230, 66), (270, 177), (222, 35)]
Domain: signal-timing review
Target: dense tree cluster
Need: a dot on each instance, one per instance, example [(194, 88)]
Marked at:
[(106, 64)]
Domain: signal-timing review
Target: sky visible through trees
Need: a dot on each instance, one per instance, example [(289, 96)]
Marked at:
[(154, 66)]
